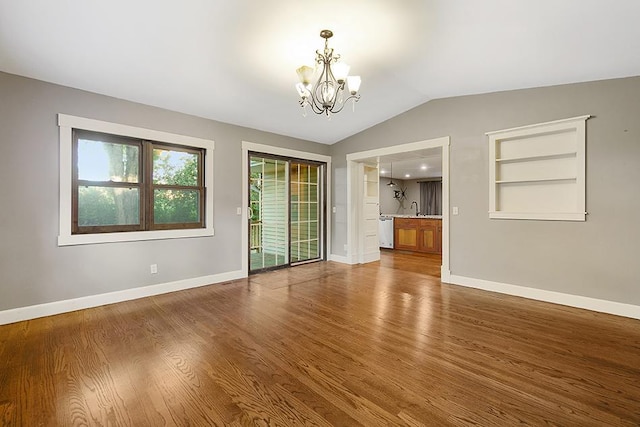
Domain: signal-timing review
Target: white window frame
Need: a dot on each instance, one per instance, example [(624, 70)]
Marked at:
[(573, 128), (66, 125)]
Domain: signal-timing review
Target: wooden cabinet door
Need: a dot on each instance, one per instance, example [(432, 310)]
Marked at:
[(405, 234), (406, 238), (428, 236), (420, 235)]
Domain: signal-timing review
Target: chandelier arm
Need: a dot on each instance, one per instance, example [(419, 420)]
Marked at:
[(316, 107), (344, 103), (324, 79), (316, 104)]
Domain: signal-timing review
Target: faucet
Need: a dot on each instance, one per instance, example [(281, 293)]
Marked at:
[(414, 203)]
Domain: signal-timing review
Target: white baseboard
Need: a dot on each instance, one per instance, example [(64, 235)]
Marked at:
[(58, 307), (341, 259), (593, 304), (370, 257)]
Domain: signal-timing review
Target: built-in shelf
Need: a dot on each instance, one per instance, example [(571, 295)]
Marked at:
[(371, 178), (517, 181), (538, 171), (539, 157)]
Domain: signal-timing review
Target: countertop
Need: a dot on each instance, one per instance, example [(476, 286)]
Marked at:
[(411, 216)]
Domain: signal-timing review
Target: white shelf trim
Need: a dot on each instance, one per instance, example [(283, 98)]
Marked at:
[(540, 157), (543, 216), (522, 181), (540, 125)]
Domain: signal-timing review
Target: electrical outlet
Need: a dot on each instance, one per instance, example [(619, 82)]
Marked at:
[(334, 210), (153, 268)]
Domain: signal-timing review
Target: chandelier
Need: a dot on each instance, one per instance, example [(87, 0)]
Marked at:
[(326, 96)]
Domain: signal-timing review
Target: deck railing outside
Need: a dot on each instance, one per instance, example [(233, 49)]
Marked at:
[(255, 236)]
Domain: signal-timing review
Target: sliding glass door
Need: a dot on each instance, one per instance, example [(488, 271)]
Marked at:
[(286, 205), (269, 218), (305, 212)]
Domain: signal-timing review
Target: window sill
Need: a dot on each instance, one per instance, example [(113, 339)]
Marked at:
[(133, 236)]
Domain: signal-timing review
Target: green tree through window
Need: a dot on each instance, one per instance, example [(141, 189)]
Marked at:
[(175, 173)]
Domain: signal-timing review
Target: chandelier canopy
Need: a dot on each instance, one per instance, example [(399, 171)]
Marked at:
[(327, 95)]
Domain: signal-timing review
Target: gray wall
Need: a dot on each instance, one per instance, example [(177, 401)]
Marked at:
[(389, 205), (33, 269), (597, 258)]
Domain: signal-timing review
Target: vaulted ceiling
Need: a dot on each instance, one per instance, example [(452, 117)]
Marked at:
[(235, 61)]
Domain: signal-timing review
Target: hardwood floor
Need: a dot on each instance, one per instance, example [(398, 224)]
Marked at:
[(324, 344)]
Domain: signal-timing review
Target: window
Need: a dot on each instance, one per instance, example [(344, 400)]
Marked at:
[(122, 183), (177, 189)]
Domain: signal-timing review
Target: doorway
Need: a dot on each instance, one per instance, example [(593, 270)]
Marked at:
[(285, 211), (356, 221)]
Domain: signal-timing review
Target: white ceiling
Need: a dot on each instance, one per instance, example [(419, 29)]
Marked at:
[(235, 61), (418, 164), (414, 168)]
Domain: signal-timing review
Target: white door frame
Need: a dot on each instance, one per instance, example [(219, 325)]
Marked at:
[(284, 152), (354, 196), (364, 256)]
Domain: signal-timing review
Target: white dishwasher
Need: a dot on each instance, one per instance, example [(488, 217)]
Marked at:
[(385, 231)]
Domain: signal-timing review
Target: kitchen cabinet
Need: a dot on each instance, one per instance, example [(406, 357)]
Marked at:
[(418, 235), (405, 234)]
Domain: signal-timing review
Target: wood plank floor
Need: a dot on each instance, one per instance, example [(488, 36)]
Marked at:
[(324, 344)]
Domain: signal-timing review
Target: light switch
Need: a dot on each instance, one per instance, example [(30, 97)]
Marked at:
[(334, 209), (454, 210), (238, 211)]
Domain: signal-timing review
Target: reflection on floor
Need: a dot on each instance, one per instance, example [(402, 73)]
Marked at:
[(261, 260), (265, 260), (428, 264), (383, 343)]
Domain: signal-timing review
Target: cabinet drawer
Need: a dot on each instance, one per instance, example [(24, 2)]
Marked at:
[(428, 222), (404, 222)]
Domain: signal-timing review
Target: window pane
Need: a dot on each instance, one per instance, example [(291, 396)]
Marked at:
[(108, 206), (304, 231), (313, 249), (172, 167), (304, 211), (304, 173), (106, 161), (269, 171), (176, 206), (313, 193), (313, 174), (281, 166), (293, 175)]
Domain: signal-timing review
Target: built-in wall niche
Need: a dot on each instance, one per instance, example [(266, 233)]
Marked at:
[(371, 180), (538, 171)]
